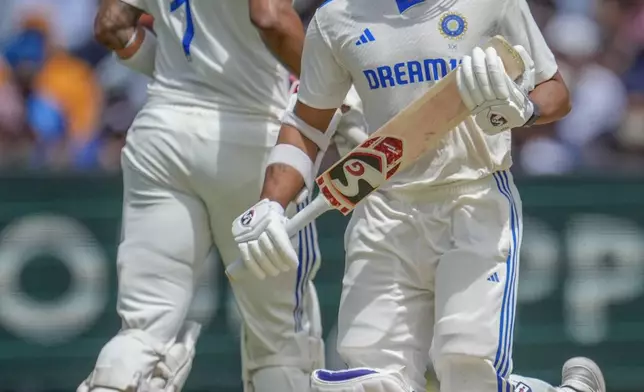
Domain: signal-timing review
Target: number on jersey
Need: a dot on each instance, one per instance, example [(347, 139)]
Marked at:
[(189, 35)]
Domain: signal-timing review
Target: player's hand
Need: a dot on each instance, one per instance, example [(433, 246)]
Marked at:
[(496, 101), (261, 236)]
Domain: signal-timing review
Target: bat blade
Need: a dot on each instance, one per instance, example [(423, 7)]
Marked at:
[(406, 137)]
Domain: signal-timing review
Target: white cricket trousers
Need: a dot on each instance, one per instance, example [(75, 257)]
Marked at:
[(187, 174), (434, 270)]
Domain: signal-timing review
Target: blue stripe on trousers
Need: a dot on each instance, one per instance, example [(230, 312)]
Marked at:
[(513, 299), (305, 265), (311, 260), (506, 323), (300, 252), (307, 257)]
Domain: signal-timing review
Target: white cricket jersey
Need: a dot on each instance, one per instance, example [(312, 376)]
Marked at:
[(393, 51), (209, 54)]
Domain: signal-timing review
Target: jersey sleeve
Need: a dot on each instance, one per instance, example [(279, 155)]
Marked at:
[(519, 27), (324, 82)]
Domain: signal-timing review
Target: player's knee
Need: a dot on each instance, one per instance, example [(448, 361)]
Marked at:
[(156, 306), (465, 373), (125, 361)]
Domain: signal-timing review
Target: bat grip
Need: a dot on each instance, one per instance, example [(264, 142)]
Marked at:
[(311, 212), (355, 135)]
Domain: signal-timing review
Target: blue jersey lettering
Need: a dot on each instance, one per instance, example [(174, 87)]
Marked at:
[(409, 72), (385, 75)]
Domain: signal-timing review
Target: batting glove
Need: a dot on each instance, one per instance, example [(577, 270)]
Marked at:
[(261, 236), (495, 101)]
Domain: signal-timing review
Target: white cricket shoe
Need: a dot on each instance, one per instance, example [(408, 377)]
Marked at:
[(580, 374)]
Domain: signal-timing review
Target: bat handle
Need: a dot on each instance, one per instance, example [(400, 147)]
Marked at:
[(308, 214), (311, 212), (355, 135)]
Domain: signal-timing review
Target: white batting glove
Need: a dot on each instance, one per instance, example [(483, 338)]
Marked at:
[(494, 99), (261, 236)]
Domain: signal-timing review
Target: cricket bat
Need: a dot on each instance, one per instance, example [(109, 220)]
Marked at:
[(414, 131)]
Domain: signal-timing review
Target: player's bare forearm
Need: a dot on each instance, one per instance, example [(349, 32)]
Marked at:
[(281, 29), (282, 182), (115, 23), (553, 99)]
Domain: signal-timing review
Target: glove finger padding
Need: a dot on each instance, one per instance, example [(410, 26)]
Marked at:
[(496, 72), (279, 237), (480, 63), (257, 250), (271, 253), (467, 85), (249, 260)]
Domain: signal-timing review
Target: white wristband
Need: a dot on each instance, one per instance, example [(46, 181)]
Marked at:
[(292, 156)]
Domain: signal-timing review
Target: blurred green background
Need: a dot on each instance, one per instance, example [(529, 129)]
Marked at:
[(581, 282)]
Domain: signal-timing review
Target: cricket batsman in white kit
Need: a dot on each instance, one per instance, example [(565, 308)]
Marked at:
[(432, 256), (194, 159)]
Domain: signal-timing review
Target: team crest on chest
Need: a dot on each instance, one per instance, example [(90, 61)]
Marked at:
[(452, 25)]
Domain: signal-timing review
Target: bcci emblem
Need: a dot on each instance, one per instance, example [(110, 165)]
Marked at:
[(453, 25), (247, 217)]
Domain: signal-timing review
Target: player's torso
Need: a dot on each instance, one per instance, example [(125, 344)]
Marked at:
[(395, 50), (211, 50)]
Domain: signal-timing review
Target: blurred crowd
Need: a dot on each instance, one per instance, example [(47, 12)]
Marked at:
[(65, 104), (599, 45)]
